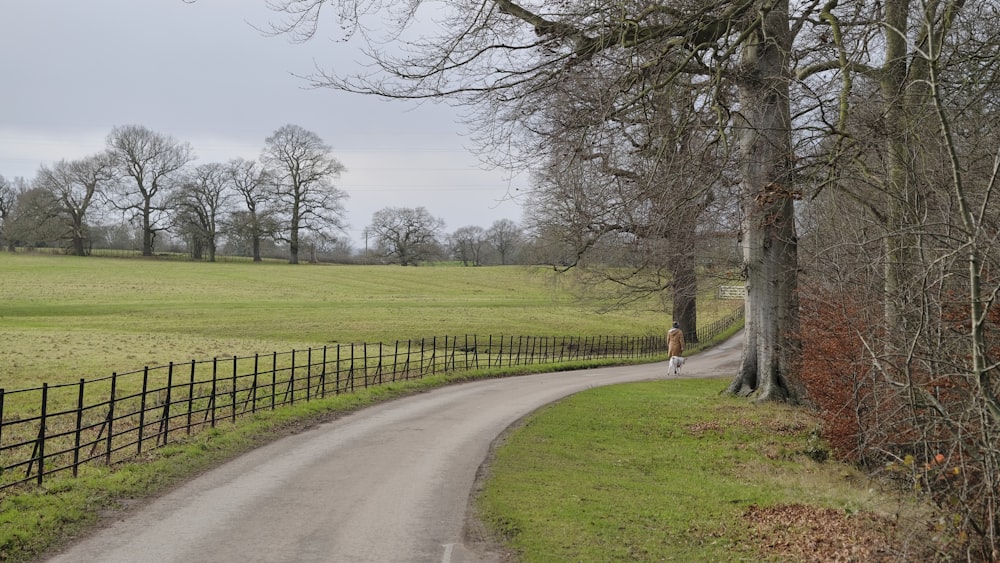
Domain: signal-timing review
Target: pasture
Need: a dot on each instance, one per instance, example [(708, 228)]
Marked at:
[(63, 318)]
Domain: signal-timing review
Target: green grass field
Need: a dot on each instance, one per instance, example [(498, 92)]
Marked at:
[(63, 318)]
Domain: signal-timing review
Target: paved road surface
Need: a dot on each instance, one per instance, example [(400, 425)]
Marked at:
[(388, 483)]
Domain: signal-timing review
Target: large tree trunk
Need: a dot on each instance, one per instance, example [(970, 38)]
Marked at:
[(898, 248), (147, 231), (685, 289), (256, 248), (79, 248), (293, 237), (768, 370)]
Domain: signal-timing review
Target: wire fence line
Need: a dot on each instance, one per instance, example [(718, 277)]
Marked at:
[(113, 419)]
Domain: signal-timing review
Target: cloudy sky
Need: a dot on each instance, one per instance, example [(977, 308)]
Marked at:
[(72, 69)]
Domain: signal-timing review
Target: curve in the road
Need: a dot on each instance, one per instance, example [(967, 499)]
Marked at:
[(388, 483)]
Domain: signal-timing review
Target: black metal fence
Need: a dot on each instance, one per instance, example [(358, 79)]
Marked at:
[(715, 328), (58, 428), (116, 418)]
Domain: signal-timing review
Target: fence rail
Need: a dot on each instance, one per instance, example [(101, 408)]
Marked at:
[(113, 419), (715, 328)]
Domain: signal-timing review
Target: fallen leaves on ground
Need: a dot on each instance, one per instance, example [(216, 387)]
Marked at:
[(804, 533)]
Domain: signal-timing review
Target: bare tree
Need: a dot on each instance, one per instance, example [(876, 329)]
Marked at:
[(505, 236), (467, 244), (303, 168), (8, 195), (149, 163), (76, 185), (632, 189), (410, 235), (258, 221), (200, 206), (34, 219)]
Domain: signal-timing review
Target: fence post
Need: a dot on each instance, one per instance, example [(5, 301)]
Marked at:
[(406, 364), (475, 348), (142, 408), (420, 372), (466, 351), (215, 387), (309, 372), (291, 381), (274, 378), (232, 393), (40, 444), (395, 361), (79, 428), (253, 393), (165, 417), (111, 416), (322, 376), (351, 372), (337, 374), (190, 398)]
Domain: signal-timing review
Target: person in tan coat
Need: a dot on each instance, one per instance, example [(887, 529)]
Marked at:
[(675, 341)]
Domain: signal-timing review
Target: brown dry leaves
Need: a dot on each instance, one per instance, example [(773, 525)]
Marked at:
[(804, 533)]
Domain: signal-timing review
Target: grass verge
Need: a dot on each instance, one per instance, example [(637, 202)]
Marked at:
[(674, 471)]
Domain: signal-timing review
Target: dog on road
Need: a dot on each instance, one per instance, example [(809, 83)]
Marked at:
[(674, 365)]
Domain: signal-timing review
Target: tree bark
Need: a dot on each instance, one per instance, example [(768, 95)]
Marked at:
[(147, 232), (685, 291), (768, 367), (256, 249)]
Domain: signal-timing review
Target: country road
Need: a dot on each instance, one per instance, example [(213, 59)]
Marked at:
[(389, 483)]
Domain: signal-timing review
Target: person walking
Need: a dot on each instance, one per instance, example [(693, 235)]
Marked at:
[(675, 340)]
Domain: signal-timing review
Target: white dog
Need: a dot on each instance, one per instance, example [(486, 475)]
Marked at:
[(674, 365)]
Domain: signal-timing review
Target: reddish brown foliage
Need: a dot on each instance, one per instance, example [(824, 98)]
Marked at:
[(833, 371), (920, 414)]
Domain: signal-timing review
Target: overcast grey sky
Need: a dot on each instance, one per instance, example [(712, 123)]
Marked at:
[(72, 69)]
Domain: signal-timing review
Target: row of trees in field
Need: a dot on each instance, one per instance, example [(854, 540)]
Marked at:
[(143, 191), (851, 145)]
